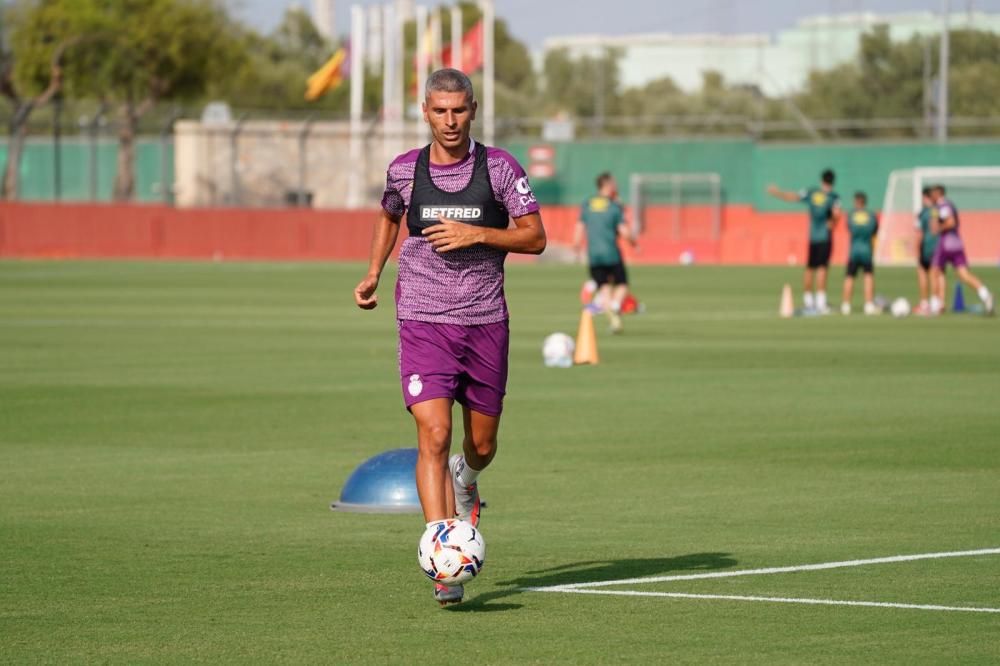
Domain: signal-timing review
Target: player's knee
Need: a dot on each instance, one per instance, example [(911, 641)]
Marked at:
[(435, 437), (486, 447)]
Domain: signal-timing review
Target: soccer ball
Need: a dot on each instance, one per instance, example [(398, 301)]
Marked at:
[(451, 552), (900, 307), (557, 351)]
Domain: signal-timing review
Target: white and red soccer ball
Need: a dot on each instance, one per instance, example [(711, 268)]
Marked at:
[(451, 552)]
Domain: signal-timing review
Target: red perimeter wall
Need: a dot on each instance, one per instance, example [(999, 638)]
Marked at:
[(138, 231)]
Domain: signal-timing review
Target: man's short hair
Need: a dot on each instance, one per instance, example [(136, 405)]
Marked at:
[(862, 196), (449, 80), (926, 191), (603, 178), (940, 188), (828, 176)]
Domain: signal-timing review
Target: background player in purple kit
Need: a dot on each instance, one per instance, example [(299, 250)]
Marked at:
[(458, 198), (951, 250)]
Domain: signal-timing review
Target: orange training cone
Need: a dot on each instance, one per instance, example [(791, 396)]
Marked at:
[(586, 340), (787, 309)]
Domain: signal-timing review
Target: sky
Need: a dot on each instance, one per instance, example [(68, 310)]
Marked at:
[(533, 20)]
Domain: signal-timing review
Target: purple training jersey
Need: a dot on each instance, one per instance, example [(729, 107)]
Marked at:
[(463, 287), (950, 248)]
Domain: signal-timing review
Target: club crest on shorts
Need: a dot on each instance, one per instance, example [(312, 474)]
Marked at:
[(416, 386)]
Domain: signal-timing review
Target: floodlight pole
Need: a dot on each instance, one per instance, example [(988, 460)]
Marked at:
[(355, 179), (942, 115)]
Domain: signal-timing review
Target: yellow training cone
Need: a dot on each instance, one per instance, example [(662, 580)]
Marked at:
[(586, 340), (787, 309)]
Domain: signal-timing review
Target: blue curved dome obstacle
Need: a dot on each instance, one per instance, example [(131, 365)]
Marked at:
[(385, 483)]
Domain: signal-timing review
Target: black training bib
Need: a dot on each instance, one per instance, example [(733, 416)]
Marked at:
[(475, 204)]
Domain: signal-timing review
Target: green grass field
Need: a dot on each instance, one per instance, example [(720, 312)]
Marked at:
[(171, 436)]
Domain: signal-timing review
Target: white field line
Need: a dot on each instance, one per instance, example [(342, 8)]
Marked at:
[(780, 600), (769, 570)]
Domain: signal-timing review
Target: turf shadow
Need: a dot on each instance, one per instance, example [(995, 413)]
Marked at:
[(590, 572)]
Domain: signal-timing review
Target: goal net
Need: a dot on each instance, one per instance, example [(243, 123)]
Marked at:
[(975, 191), (677, 206)]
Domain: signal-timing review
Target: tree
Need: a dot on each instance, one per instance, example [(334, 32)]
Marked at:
[(585, 87), (44, 86), (271, 75), (132, 54), (886, 80)]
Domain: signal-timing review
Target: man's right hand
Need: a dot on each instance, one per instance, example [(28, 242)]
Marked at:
[(364, 293)]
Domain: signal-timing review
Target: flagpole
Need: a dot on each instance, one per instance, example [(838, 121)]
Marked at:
[(456, 37), (389, 97), (421, 57), (489, 74), (399, 84), (355, 183), (437, 40)]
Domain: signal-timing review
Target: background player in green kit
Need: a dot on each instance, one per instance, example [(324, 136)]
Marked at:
[(862, 223), (824, 213), (602, 221), (927, 241)]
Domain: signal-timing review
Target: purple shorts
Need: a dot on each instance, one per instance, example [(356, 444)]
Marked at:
[(950, 250), (463, 363)]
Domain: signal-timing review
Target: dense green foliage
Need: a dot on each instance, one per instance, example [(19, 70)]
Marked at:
[(171, 434)]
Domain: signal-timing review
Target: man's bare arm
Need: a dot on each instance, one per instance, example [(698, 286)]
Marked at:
[(790, 197), (383, 241)]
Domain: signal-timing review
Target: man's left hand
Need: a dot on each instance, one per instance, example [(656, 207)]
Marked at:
[(450, 235)]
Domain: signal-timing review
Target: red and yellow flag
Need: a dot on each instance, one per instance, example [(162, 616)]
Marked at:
[(327, 77)]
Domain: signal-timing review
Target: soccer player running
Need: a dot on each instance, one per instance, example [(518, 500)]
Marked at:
[(951, 250), (863, 226), (457, 197), (602, 221), (927, 241), (824, 213)]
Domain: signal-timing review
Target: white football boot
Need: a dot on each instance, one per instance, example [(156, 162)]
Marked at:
[(467, 503), (445, 594)]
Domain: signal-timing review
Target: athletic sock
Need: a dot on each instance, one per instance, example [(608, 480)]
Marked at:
[(935, 304), (924, 304), (467, 475), (821, 300), (984, 294), (808, 300)]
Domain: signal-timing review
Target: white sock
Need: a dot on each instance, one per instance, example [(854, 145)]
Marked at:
[(467, 475), (821, 300), (923, 304), (808, 301), (616, 306), (935, 304), (984, 293)]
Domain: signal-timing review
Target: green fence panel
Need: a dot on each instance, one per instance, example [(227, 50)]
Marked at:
[(746, 168), (37, 171)]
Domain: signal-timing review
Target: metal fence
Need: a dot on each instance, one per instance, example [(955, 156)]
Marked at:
[(303, 159)]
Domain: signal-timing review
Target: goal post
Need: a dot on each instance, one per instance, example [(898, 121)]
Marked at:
[(688, 204), (975, 189)]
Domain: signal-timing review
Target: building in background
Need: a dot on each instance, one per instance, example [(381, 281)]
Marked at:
[(776, 65), (324, 18)]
